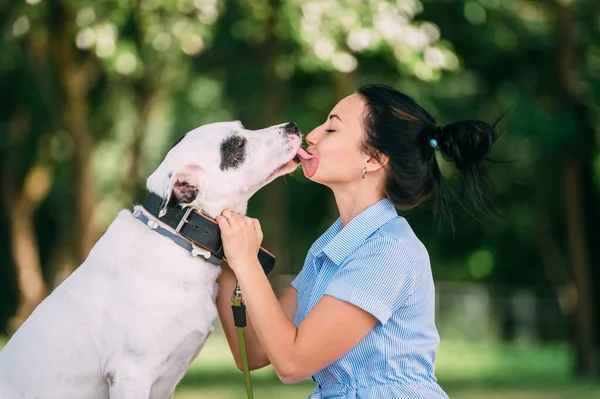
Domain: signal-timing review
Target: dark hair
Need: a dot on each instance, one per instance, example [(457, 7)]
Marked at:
[(397, 127)]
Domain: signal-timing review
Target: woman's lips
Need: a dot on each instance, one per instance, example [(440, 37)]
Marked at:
[(309, 162)]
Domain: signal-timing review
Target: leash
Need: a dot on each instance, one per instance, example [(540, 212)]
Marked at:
[(239, 319)]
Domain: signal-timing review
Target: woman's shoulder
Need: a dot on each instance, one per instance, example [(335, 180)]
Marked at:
[(398, 232)]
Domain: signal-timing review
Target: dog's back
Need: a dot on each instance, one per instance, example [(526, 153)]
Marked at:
[(137, 299)]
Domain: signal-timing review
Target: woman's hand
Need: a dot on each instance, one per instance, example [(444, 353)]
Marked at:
[(241, 237)]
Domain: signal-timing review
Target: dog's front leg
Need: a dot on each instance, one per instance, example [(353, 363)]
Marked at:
[(176, 365), (128, 383), (130, 390)]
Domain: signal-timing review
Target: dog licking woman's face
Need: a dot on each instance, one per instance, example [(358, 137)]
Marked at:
[(221, 165), (336, 145)]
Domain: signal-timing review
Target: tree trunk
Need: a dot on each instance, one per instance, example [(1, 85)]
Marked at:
[(32, 287), (576, 176), (75, 120), (25, 251), (579, 260), (76, 80), (555, 265), (273, 197), (147, 96), (60, 263), (148, 91)]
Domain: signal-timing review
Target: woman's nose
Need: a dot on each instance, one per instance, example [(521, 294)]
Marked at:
[(311, 137)]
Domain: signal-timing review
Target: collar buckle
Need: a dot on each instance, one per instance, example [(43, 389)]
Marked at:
[(183, 220)]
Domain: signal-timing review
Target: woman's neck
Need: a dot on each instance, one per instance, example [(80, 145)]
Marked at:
[(353, 200)]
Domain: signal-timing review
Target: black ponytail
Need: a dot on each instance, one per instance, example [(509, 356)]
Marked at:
[(399, 128)]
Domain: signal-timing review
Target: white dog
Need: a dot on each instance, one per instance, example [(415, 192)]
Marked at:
[(130, 320)]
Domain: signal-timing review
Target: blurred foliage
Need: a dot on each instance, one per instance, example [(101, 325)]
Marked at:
[(94, 92)]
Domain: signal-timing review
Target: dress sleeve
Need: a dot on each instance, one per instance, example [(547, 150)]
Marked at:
[(304, 276), (378, 278)]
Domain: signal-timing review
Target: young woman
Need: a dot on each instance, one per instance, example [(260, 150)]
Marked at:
[(359, 317)]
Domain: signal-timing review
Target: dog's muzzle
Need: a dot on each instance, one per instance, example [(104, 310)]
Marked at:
[(194, 231)]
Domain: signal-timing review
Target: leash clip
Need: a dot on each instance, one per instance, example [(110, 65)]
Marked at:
[(237, 293), (238, 307), (239, 320)]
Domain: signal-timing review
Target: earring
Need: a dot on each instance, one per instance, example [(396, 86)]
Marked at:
[(364, 172)]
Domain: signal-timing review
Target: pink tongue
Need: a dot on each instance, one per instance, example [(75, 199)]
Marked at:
[(309, 162), (302, 154)]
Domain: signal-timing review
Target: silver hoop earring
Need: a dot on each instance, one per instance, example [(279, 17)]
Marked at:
[(364, 172)]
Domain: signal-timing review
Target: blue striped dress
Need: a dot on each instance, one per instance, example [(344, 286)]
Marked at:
[(376, 263)]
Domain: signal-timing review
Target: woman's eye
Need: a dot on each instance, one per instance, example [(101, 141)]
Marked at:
[(329, 130)]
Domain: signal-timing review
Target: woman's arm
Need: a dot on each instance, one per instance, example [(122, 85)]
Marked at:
[(257, 357), (330, 329)]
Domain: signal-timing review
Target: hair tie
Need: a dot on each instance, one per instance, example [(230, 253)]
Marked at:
[(433, 143)]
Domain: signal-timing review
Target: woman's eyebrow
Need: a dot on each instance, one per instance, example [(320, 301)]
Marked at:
[(334, 116)]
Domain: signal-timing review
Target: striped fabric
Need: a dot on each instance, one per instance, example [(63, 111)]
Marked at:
[(377, 264)]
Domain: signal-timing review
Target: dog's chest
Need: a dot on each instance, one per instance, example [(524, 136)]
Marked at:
[(172, 305), (157, 293)]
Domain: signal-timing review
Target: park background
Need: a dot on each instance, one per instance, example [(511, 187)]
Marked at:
[(94, 92)]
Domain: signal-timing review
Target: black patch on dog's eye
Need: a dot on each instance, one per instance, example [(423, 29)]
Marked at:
[(233, 152)]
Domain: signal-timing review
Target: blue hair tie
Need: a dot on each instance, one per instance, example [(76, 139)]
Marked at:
[(433, 143)]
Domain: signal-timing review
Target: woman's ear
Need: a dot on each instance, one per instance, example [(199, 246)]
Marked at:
[(376, 162)]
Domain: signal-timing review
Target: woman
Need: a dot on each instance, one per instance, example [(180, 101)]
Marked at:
[(359, 317)]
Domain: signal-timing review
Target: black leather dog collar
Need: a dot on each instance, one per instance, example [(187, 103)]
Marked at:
[(199, 229)]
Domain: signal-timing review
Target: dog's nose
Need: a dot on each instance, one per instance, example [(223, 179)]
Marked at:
[(291, 128)]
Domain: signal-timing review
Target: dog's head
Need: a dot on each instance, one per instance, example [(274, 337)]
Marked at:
[(221, 165)]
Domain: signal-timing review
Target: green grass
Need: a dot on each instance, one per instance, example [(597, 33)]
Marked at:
[(465, 370)]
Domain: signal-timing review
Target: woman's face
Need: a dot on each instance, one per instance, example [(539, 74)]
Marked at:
[(337, 144)]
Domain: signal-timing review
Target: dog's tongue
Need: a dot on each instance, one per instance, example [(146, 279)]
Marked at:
[(309, 162)]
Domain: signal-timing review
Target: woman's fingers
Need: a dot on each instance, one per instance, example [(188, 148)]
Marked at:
[(227, 213), (223, 223), (233, 221), (237, 218), (241, 235), (230, 216), (257, 229)]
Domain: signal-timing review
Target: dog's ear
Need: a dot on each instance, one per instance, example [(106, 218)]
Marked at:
[(184, 187)]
